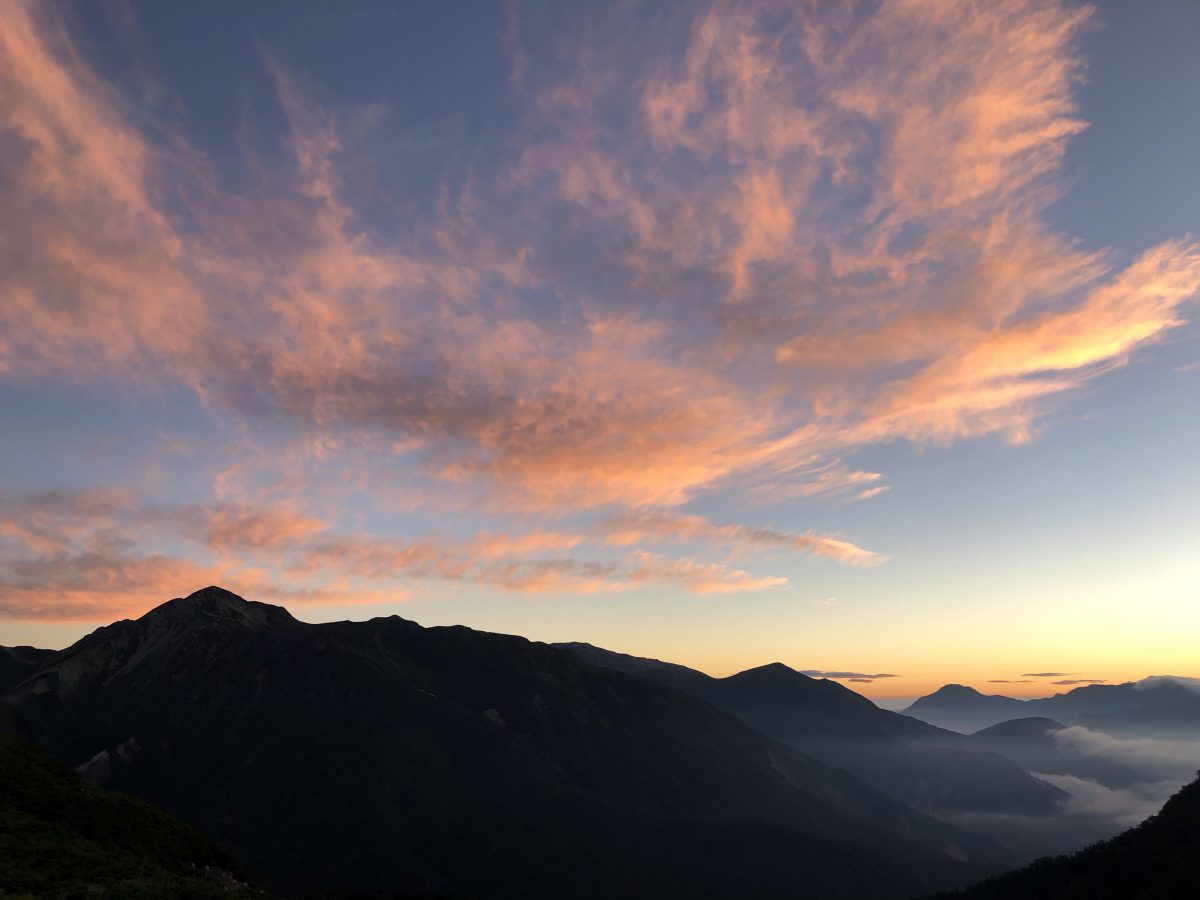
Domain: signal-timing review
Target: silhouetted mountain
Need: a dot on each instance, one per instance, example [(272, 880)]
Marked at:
[(922, 765), (60, 838), (18, 662), (1034, 728), (1156, 707), (1157, 860), (1032, 743), (1160, 708), (961, 708), (786, 703), (383, 756)]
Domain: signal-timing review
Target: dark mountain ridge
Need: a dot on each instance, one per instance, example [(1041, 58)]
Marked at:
[(928, 767), (18, 662), (795, 705), (385, 756)]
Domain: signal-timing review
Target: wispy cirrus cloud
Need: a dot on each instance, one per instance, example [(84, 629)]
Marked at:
[(93, 554), (728, 266), (672, 526)]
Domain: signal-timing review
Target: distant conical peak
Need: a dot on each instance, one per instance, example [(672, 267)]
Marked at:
[(770, 669), (955, 689)]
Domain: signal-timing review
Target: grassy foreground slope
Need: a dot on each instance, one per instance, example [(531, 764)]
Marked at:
[(61, 838)]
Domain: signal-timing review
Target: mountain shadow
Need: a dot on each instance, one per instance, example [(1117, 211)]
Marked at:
[(383, 756), (927, 767), (17, 662), (61, 838)]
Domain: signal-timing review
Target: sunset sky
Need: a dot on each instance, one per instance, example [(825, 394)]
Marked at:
[(858, 336)]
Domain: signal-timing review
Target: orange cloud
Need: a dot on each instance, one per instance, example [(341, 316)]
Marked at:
[(659, 526), (731, 267), (89, 554), (697, 577), (362, 557), (991, 380), (86, 555)]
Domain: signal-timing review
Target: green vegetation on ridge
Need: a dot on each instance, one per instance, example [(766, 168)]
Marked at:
[(62, 839)]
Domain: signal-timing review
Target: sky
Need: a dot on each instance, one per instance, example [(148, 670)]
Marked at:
[(856, 336)]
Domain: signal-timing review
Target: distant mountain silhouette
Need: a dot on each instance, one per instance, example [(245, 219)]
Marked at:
[(383, 756), (1032, 728), (1161, 708), (925, 766), (18, 662), (780, 700), (60, 838), (1031, 742), (1157, 860), (966, 708)]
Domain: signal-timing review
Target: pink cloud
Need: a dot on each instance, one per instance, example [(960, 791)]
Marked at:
[(91, 553), (670, 526), (806, 233)]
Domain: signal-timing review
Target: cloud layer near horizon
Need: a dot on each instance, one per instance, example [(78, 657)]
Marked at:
[(728, 268)]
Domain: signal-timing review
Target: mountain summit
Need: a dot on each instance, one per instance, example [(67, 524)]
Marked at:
[(383, 756), (219, 604)]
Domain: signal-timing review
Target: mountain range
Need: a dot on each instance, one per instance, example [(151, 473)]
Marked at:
[(1086, 786), (383, 756), (924, 766), (1162, 707)]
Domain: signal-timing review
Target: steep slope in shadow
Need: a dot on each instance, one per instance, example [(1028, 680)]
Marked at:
[(16, 663), (1157, 860), (61, 838), (920, 764), (382, 756)]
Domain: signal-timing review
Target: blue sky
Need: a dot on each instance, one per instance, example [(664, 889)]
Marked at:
[(861, 339)]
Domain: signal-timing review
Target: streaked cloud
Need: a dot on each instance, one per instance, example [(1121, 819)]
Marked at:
[(92, 554), (727, 267), (1067, 682), (672, 526), (859, 677), (697, 577)]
